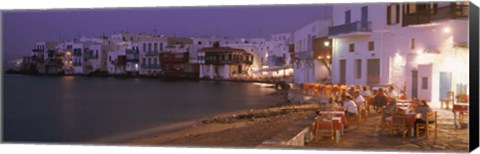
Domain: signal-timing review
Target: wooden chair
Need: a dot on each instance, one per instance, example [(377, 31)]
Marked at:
[(399, 123), (385, 121), (325, 132), (430, 125)]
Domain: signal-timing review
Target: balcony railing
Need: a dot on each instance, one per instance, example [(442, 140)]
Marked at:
[(153, 53), (452, 11), (357, 26), (150, 65)]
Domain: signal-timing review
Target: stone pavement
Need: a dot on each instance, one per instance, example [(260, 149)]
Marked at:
[(369, 137)]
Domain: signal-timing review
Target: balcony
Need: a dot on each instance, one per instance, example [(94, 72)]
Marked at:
[(452, 11), (150, 65), (305, 54), (38, 50), (151, 53), (354, 28), (77, 64)]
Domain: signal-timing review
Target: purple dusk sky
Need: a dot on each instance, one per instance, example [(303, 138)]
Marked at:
[(21, 29)]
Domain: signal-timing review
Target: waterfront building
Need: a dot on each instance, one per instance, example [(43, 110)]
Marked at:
[(223, 62), (79, 50), (43, 56), (308, 66), (117, 61), (133, 54), (176, 65), (278, 56), (150, 47), (421, 48)]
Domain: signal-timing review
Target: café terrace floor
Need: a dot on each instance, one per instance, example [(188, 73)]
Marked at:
[(369, 137)]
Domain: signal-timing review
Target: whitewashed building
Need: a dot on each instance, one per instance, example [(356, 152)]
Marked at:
[(116, 63), (418, 47), (150, 47), (306, 67)]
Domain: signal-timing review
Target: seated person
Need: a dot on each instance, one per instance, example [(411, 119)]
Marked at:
[(350, 106), (366, 91), (423, 109), (390, 108), (380, 99), (403, 95), (331, 103)]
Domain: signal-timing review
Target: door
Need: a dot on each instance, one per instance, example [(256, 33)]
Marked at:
[(414, 83), (364, 18), (343, 71), (373, 71), (445, 84), (347, 17), (239, 69)]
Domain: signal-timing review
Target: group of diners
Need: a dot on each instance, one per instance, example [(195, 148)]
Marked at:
[(357, 101)]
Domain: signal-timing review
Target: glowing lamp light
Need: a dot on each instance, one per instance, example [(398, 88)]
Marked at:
[(319, 57), (419, 51), (328, 56), (326, 43), (446, 30)]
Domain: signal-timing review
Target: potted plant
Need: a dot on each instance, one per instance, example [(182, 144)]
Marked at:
[(462, 97)]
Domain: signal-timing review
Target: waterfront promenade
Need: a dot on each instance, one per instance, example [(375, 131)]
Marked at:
[(255, 132)]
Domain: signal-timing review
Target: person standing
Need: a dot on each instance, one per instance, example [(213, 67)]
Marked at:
[(359, 100)]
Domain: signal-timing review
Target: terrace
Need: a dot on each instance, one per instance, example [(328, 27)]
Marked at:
[(354, 28), (452, 11)]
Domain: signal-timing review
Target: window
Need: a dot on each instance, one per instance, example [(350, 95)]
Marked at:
[(393, 14), (199, 42), (351, 47), (424, 83), (149, 47), (371, 46), (155, 47), (347, 17), (161, 46), (144, 47), (358, 68), (412, 43)]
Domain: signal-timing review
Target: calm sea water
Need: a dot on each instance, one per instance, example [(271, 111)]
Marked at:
[(79, 109)]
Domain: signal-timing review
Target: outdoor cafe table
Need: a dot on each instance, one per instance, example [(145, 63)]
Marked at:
[(459, 108), (337, 126), (338, 114)]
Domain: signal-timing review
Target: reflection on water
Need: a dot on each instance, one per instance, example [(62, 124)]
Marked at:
[(73, 109)]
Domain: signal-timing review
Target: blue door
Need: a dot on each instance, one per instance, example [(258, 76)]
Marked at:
[(445, 84)]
